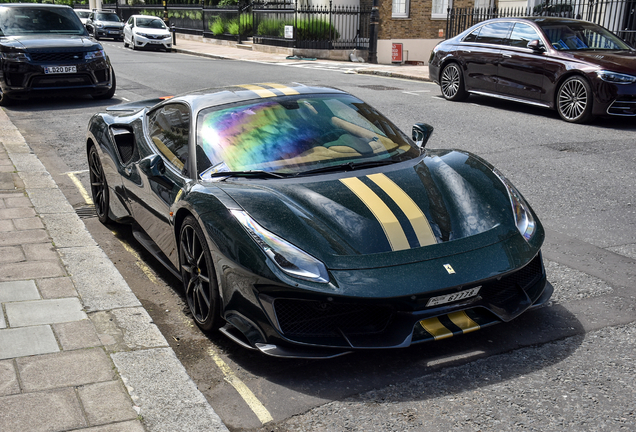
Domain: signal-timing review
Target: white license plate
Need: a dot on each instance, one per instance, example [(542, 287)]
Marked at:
[(434, 301), (60, 69)]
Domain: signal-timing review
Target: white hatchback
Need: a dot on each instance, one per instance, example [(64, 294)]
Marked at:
[(144, 31)]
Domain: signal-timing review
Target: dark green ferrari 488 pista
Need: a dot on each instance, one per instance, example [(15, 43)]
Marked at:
[(304, 223)]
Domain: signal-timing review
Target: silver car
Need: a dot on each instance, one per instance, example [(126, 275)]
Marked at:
[(105, 24)]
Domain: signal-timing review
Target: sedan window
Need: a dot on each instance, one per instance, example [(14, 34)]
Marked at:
[(522, 34), (495, 33), (581, 36), (169, 129)]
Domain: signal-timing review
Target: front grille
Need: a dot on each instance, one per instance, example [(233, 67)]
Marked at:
[(61, 80), (507, 288), (156, 37), (309, 318), (57, 56)]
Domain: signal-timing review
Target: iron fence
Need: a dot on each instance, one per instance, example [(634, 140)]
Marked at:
[(315, 27), (618, 16)]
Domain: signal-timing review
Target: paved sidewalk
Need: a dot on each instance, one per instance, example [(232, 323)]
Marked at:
[(196, 45), (77, 350)]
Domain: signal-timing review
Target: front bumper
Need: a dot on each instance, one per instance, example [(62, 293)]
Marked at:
[(20, 79), (107, 32), (153, 43)]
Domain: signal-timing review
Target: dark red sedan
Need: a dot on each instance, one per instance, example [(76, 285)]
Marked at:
[(576, 67)]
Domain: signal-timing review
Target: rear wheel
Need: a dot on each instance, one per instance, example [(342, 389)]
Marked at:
[(452, 83), (99, 186), (574, 100), (197, 272)]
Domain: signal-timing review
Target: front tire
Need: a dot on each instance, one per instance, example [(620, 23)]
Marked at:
[(132, 43), (99, 186), (199, 279), (5, 100), (574, 100), (452, 83)]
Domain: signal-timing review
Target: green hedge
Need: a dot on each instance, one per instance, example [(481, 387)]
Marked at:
[(305, 29)]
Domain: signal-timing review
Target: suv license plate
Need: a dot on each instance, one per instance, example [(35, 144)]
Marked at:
[(434, 301), (60, 69)]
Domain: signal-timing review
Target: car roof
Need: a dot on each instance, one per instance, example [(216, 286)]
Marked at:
[(210, 97), (34, 5)]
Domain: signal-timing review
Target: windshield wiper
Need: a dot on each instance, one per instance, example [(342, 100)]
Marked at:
[(349, 166), (249, 174)]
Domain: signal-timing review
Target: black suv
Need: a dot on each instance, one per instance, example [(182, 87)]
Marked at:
[(46, 49)]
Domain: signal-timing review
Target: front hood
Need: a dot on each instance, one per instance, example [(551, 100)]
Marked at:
[(408, 212), (112, 24), (615, 61), (47, 42)]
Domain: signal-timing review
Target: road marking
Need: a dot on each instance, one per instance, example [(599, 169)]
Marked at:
[(255, 405), (142, 266), (79, 186), (415, 92)]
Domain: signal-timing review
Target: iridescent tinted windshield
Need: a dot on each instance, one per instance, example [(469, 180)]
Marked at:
[(292, 134)]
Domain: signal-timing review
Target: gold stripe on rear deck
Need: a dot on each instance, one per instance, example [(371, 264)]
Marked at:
[(282, 88), (261, 91)]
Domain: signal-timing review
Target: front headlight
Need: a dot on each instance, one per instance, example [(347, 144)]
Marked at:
[(520, 209), (92, 55), (616, 78), (17, 56), (99, 25), (285, 255)]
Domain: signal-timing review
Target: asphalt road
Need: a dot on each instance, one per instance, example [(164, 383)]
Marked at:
[(567, 366)]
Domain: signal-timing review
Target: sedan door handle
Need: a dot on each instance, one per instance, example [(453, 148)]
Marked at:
[(507, 55)]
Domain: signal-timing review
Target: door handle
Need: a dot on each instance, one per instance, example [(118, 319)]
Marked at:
[(507, 55)]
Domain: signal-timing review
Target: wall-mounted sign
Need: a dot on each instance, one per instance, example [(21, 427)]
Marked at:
[(289, 32), (396, 52)]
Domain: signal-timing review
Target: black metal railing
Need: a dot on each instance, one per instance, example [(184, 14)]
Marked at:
[(322, 27), (619, 16)]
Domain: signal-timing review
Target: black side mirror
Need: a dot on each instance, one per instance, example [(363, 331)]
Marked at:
[(536, 45), (421, 133)]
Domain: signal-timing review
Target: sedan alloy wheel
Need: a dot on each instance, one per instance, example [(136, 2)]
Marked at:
[(574, 100), (452, 83)]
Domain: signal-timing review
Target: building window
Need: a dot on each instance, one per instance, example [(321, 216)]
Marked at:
[(400, 9), (440, 9)]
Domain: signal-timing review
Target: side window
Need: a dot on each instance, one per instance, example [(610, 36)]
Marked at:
[(169, 129), (522, 34), (473, 36), (494, 33)]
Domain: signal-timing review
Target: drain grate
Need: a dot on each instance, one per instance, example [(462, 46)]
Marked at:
[(379, 87), (86, 212)]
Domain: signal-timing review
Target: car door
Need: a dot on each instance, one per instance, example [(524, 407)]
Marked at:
[(481, 51), (128, 29), (163, 172), (522, 71)]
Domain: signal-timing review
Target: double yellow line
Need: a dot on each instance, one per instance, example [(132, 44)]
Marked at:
[(390, 224)]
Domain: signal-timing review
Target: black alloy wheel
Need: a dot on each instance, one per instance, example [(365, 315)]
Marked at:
[(574, 100), (452, 83), (99, 186), (197, 272)]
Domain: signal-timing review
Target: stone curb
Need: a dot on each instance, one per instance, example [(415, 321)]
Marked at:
[(157, 383)]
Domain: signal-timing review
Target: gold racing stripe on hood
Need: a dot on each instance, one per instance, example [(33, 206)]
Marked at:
[(390, 224), (283, 89), (418, 221), (463, 321), (261, 91), (436, 329)]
